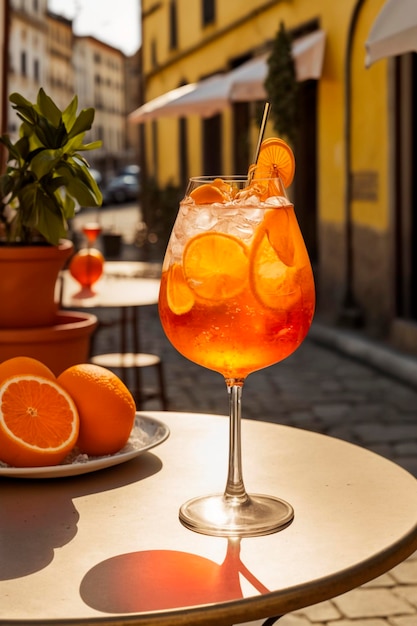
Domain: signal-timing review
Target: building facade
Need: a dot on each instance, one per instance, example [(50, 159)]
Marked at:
[(60, 69), (28, 44), (44, 52), (99, 73), (355, 191)]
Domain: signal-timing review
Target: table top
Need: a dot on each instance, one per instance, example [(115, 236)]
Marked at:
[(108, 546), (123, 284)]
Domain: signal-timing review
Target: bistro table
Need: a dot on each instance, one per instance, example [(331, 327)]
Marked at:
[(108, 548), (127, 286)]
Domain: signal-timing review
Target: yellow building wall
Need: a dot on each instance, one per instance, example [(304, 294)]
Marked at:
[(331, 113), (245, 27), (370, 124)]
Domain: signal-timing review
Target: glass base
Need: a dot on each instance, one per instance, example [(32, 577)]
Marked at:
[(220, 516)]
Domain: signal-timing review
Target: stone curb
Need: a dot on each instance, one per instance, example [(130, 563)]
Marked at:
[(387, 360)]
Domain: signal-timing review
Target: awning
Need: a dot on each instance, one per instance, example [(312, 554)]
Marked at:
[(243, 84), (149, 109), (248, 79), (394, 31)]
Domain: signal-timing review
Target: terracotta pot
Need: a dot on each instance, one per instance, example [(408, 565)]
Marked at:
[(65, 343), (28, 277)]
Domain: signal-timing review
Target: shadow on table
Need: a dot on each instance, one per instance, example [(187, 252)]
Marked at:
[(155, 580), (34, 520)]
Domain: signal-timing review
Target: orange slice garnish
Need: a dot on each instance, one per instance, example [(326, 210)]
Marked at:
[(216, 265), (276, 159), (207, 194), (179, 296), (274, 283)]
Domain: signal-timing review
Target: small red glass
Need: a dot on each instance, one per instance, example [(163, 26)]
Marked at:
[(91, 230), (87, 266)]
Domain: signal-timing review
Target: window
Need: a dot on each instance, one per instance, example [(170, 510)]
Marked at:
[(36, 75), (154, 56), (23, 63), (173, 31), (212, 145), (208, 11)]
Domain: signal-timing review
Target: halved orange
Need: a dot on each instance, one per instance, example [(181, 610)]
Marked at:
[(39, 422), (19, 365), (216, 265), (274, 283), (275, 159), (179, 296)]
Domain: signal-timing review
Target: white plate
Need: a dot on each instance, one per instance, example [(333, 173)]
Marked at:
[(146, 434)]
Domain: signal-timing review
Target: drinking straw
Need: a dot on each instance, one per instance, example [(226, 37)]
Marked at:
[(267, 106)]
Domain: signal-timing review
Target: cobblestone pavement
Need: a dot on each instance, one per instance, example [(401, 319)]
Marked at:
[(327, 386)]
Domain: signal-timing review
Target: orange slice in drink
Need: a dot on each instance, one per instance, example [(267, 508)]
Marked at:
[(179, 296), (216, 265), (274, 283), (278, 228), (207, 193), (276, 159), (39, 422)]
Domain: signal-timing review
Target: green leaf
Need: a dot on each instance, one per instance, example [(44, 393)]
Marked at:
[(69, 207), (83, 122), (45, 161), (80, 184), (43, 214), (51, 225), (48, 108), (70, 114), (19, 100), (25, 109), (6, 185), (93, 145), (79, 190)]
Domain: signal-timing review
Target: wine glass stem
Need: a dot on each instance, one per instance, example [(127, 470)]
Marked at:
[(235, 488)]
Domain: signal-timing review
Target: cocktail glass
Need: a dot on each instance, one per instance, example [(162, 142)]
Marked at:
[(91, 230), (237, 295)]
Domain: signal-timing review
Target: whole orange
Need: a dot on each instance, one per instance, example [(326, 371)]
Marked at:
[(105, 406), (23, 365), (87, 266)]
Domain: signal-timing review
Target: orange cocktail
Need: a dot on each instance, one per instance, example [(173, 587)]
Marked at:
[(239, 296)]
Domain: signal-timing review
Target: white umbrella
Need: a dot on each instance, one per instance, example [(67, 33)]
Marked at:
[(243, 84), (394, 31)]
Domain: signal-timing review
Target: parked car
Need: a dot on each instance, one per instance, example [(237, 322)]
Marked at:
[(121, 189), (129, 169)]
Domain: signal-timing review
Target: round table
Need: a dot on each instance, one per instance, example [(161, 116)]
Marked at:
[(108, 548), (127, 286)]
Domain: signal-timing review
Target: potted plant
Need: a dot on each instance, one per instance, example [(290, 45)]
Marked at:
[(45, 177)]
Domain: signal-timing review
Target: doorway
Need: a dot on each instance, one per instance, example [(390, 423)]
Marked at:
[(405, 200)]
